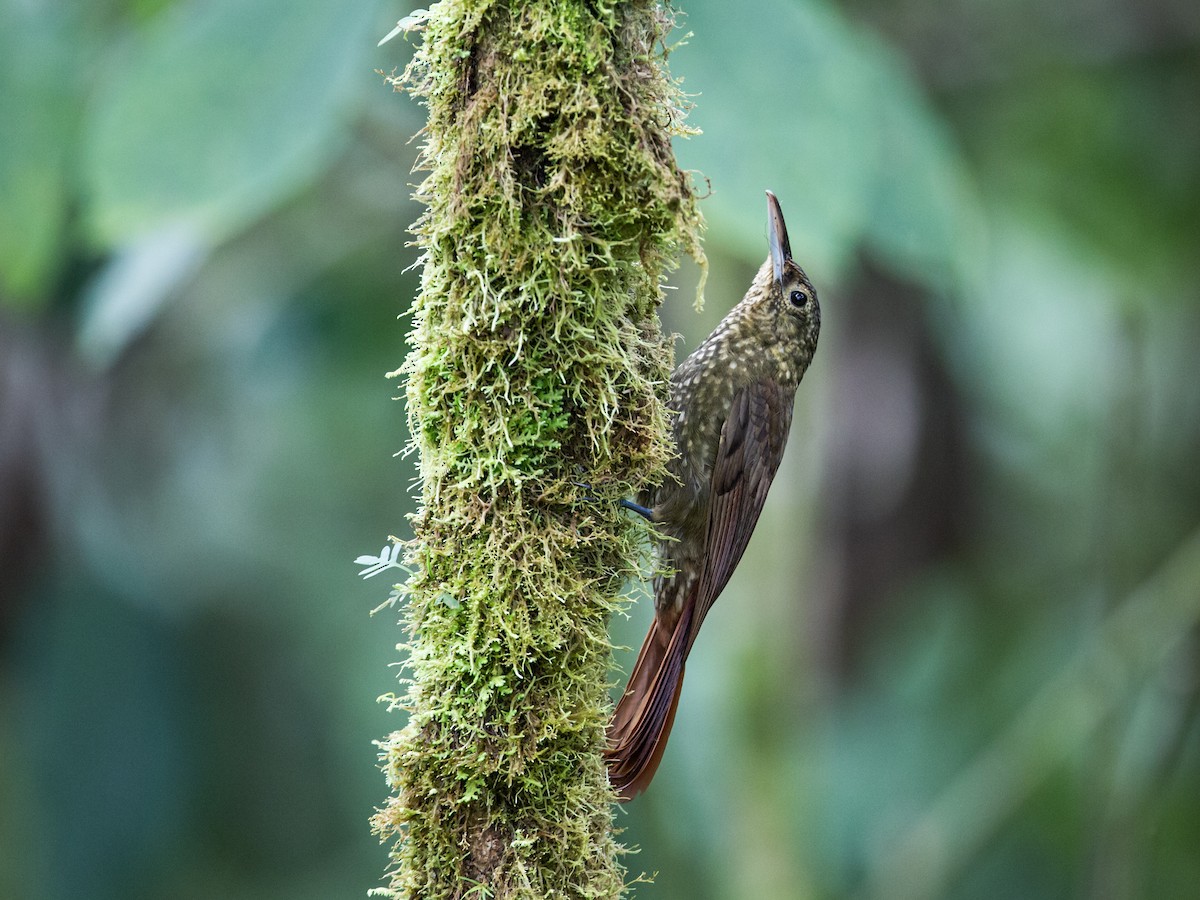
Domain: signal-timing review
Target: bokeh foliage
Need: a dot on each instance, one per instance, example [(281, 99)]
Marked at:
[(202, 256)]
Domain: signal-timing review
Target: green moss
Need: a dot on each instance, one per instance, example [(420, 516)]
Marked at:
[(554, 207)]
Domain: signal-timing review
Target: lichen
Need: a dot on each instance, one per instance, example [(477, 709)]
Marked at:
[(554, 207)]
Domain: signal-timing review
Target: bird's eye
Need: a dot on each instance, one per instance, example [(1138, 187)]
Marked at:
[(798, 298)]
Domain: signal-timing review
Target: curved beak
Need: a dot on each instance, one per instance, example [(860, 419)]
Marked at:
[(781, 251)]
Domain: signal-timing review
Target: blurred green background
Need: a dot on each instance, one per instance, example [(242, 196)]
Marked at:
[(960, 658)]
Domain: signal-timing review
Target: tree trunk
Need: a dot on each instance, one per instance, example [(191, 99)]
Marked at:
[(554, 206)]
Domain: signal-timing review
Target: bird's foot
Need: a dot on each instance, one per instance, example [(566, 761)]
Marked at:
[(644, 512), (625, 503)]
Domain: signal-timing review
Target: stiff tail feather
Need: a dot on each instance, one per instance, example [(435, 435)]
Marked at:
[(638, 730)]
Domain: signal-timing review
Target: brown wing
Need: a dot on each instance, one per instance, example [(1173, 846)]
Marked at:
[(748, 455)]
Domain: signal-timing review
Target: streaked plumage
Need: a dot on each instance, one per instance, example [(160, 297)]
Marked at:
[(733, 406)]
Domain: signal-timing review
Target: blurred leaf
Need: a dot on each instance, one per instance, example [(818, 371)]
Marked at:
[(794, 98), (779, 87), (220, 111), (104, 708), (1057, 725), (38, 106), (1043, 326), (924, 219), (1109, 155), (123, 299)]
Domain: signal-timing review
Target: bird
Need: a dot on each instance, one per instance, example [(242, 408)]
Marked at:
[(731, 410)]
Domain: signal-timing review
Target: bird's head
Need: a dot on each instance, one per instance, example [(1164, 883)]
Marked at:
[(789, 294)]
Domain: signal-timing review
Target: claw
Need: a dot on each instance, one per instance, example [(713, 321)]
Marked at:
[(586, 487)]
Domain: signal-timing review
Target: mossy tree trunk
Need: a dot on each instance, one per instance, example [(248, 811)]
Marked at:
[(554, 206)]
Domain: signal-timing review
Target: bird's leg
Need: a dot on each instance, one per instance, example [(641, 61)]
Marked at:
[(644, 512), (625, 503)]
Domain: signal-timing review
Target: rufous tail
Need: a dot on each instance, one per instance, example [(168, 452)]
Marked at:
[(638, 730)]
